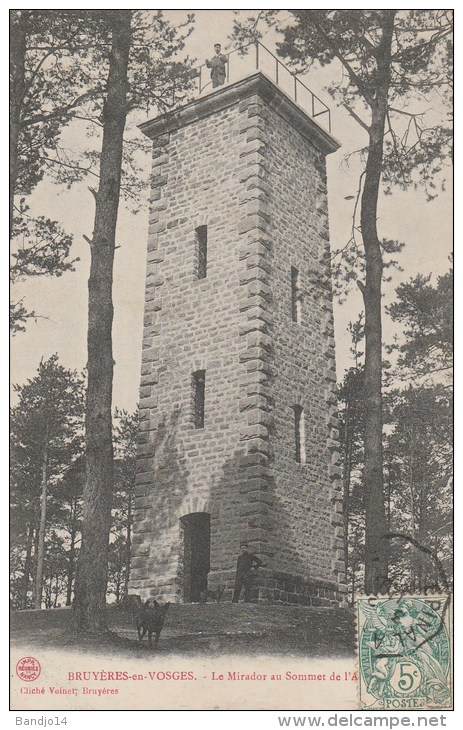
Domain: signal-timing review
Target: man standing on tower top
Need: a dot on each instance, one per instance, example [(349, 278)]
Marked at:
[(246, 566), (217, 65)]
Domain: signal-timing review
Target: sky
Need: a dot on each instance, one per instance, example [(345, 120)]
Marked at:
[(424, 227)]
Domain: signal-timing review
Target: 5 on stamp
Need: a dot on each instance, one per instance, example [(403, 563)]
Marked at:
[(404, 652)]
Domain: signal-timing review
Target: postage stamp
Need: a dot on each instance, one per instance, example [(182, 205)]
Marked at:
[(404, 652)]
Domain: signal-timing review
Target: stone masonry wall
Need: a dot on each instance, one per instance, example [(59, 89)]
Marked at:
[(261, 190), (307, 508)]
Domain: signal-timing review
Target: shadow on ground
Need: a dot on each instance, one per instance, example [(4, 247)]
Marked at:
[(202, 629)]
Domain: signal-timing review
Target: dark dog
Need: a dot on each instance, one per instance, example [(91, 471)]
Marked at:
[(148, 616), (216, 594), (150, 620)]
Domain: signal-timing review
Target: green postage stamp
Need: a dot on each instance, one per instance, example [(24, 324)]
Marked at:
[(404, 652)]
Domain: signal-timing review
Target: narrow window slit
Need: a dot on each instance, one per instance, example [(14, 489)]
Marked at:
[(296, 294), (299, 432), (199, 392), (201, 250)]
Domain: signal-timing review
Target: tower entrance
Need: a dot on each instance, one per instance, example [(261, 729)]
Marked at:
[(196, 554)]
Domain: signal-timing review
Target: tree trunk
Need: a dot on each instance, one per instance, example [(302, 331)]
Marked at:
[(72, 550), (47, 595), (18, 39), (421, 537), (42, 526), (376, 547), (56, 592), (347, 468), (89, 612), (413, 511), (129, 543), (388, 499), (71, 561), (27, 566)]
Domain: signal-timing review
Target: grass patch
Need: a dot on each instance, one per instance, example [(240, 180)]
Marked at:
[(201, 629)]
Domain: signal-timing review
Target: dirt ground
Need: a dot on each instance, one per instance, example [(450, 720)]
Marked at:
[(202, 629)]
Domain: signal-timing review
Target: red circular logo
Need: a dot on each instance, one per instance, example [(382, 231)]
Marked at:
[(28, 669)]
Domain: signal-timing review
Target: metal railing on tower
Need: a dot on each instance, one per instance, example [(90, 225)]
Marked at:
[(256, 57)]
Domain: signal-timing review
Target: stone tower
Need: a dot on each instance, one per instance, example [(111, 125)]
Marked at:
[(237, 403)]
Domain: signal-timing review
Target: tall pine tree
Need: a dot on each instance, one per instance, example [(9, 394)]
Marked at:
[(46, 436)]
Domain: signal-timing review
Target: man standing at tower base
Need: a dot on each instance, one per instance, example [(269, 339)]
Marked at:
[(246, 565)]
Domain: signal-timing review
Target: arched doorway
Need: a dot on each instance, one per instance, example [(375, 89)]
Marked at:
[(196, 554)]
